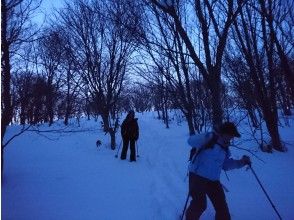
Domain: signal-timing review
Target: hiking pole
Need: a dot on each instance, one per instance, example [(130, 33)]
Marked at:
[(118, 149), (182, 217), (265, 191)]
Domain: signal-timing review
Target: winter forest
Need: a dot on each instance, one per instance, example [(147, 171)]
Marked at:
[(192, 64)]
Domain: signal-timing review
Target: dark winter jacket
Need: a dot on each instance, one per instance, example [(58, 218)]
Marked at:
[(130, 129)]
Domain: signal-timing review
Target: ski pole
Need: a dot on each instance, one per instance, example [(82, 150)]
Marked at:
[(118, 149), (265, 192), (182, 217), (137, 148)]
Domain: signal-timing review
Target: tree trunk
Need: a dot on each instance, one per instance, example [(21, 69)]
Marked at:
[(108, 129), (2, 162), (252, 116), (166, 115), (215, 91), (189, 118), (272, 126), (50, 103), (22, 115), (105, 122), (68, 109), (112, 138), (158, 113), (6, 107)]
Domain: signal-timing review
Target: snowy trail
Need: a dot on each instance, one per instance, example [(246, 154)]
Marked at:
[(93, 183), (166, 166), (66, 177)]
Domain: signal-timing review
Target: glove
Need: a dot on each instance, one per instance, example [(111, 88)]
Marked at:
[(246, 160)]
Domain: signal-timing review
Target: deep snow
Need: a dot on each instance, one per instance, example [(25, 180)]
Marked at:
[(64, 176)]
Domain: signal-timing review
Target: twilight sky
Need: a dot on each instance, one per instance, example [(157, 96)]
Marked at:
[(46, 8)]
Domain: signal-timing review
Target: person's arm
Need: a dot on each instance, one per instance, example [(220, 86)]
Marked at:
[(231, 163)]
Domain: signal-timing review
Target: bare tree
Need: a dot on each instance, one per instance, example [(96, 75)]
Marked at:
[(140, 97), (256, 42), (172, 72), (16, 29), (50, 56), (213, 20), (102, 38), (241, 85), (275, 19)]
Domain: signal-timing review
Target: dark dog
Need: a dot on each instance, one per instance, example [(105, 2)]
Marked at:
[(98, 143)]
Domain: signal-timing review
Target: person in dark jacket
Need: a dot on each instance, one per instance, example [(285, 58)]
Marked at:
[(130, 134), (205, 169)]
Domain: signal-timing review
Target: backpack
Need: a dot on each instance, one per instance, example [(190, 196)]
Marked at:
[(209, 143)]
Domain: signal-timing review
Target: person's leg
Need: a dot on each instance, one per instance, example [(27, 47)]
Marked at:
[(124, 149), (217, 196), (133, 150), (197, 190)]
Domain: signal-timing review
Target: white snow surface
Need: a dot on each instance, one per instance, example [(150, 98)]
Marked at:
[(64, 176)]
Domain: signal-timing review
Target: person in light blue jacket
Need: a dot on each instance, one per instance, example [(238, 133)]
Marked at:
[(212, 155)]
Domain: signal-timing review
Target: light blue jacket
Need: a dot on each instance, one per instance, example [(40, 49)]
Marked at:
[(209, 162)]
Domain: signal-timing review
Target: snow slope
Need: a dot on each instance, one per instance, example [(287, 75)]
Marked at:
[(64, 176)]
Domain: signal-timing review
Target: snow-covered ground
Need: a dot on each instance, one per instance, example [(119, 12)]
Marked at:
[(64, 176)]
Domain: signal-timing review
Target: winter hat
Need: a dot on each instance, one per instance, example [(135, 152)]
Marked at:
[(131, 114), (229, 128)]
